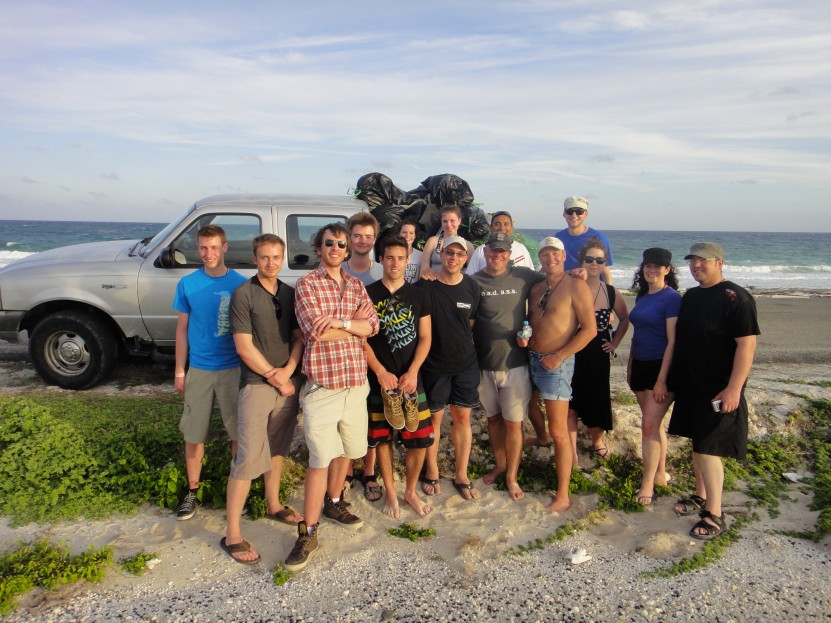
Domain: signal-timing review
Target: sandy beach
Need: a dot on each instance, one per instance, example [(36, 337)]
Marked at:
[(464, 573)]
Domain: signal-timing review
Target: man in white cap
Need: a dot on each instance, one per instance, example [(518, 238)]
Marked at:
[(577, 234), (561, 313), (715, 341)]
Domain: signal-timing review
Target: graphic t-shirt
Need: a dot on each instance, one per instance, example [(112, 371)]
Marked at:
[(398, 314), (413, 269), (501, 312), (649, 318), (207, 301), (452, 309)]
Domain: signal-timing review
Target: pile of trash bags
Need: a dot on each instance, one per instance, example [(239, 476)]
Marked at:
[(392, 206)]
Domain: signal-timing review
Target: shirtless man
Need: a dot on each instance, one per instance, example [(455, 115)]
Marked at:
[(561, 313)]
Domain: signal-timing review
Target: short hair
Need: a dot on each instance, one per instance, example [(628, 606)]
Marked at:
[(212, 231), (264, 239), (393, 241), (452, 207), (337, 229), (593, 243), (502, 213), (363, 219)]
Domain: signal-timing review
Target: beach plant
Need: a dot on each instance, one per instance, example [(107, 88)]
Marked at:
[(137, 563), (410, 531), (47, 565), (562, 532), (280, 576)]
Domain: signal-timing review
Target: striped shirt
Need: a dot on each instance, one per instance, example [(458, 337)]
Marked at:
[(340, 363)]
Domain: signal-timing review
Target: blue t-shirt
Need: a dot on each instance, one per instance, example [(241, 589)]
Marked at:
[(207, 301), (649, 318), (573, 244)]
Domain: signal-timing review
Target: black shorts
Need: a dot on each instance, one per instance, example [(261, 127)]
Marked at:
[(644, 374), (460, 389)]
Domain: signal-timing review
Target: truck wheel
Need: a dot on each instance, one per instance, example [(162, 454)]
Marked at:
[(73, 350)]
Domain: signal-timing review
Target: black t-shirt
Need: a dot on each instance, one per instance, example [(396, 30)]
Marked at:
[(398, 314), (709, 322), (453, 307)]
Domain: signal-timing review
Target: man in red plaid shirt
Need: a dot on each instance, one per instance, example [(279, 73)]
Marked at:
[(335, 315)]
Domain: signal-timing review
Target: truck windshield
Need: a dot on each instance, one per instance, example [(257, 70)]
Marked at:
[(162, 235)]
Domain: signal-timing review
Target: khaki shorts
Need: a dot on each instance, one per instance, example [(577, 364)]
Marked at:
[(265, 426), (505, 391), (201, 388), (335, 422)]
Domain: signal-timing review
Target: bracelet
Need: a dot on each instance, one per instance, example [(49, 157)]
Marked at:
[(179, 376)]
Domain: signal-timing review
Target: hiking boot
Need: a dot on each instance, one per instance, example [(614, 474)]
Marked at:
[(393, 412), (339, 513), (187, 508), (304, 548), (411, 412)]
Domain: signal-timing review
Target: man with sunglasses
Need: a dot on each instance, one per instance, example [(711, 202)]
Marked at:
[(561, 313), (577, 234), (504, 383), (268, 341), (335, 315), (451, 374), (501, 222), (204, 343)]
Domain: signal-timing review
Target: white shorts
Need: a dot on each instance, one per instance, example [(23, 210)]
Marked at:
[(505, 391)]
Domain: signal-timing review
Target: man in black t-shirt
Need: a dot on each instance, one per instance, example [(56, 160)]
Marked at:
[(451, 373), (715, 341), (397, 400)]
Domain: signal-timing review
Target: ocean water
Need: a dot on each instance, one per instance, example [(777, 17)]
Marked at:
[(761, 260)]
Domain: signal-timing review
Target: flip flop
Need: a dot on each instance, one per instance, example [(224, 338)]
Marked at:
[(422, 478), (461, 486), (283, 515), (238, 548), (649, 499)]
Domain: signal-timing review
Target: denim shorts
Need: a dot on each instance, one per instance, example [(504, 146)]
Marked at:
[(552, 384)]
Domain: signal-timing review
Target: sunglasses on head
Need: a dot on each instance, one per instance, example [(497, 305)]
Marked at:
[(331, 243), (577, 211), (589, 259)]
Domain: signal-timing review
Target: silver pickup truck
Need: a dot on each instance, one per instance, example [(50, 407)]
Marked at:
[(84, 305)]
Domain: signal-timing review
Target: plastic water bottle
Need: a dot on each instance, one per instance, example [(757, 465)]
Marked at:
[(525, 332)]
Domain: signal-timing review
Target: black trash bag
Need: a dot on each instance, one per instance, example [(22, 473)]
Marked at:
[(389, 216), (474, 225), (376, 189), (447, 189)]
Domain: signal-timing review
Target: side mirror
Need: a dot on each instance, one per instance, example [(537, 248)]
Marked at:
[(170, 258)]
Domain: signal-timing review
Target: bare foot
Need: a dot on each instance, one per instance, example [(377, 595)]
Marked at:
[(391, 508), (559, 506), (417, 505), (491, 476), (515, 492), (536, 441)]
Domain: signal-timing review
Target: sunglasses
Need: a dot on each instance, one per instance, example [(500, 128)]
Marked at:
[(577, 211), (331, 243), (450, 253), (544, 300), (589, 259), (278, 309)]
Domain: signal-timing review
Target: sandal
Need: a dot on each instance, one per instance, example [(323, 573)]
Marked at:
[(689, 506), (239, 548), (461, 487), (283, 515), (712, 530), (602, 454), (646, 500), (431, 482), (373, 494)]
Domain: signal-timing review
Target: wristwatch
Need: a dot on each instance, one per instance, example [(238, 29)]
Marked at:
[(346, 324)]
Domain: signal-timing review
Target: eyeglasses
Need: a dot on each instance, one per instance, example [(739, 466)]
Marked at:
[(331, 243), (450, 253), (589, 259), (278, 309), (577, 211)]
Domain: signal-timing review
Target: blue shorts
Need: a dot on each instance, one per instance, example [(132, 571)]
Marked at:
[(551, 384)]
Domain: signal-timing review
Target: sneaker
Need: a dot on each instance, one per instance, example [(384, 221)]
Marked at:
[(339, 513), (187, 508), (303, 550), (411, 412), (392, 408)]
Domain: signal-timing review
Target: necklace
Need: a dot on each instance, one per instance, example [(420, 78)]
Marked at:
[(546, 295)]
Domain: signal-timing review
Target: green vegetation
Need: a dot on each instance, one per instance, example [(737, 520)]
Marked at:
[(47, 565), (280, 576), (137, 563), (818, 412), (411, 531)]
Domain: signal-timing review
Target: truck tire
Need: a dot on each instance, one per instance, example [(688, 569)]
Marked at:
[(73, 349)]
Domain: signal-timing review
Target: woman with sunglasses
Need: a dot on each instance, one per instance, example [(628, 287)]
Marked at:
[(591, 395), (653, 318)]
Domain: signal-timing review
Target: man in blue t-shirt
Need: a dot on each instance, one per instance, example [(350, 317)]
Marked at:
[(203, 338), (577, 234)]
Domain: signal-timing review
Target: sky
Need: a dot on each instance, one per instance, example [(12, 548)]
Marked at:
[(665, 115)]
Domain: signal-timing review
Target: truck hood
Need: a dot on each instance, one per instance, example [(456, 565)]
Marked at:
[(88, 252)]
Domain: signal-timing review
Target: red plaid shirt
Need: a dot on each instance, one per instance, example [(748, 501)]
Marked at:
[(341, 363)]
